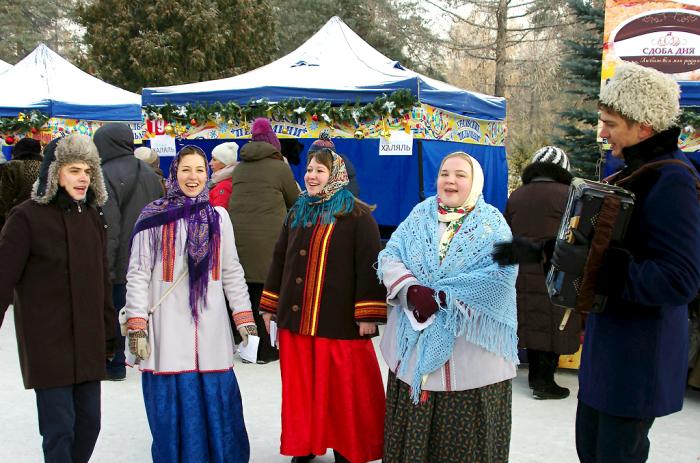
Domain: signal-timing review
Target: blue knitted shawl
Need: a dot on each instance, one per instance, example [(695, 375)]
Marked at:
[(487, 313)]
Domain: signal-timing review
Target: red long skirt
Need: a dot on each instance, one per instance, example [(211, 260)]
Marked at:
[(332, 397)]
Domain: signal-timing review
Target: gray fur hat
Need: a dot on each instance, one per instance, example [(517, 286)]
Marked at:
[(551, 154), (643, 95), (71, 149)]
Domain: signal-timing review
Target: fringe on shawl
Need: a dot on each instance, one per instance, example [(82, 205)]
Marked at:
[(496, 334), (309, 209)]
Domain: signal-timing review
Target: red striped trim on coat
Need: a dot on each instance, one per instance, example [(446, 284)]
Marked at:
[(370, 309), (216, 264), (447, 371), (315, 276), (168, 251), (399, 280), (243, 318), (269, 301), (136, 324)]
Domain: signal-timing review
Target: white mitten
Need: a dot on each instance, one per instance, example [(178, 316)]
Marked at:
[(138, 344)]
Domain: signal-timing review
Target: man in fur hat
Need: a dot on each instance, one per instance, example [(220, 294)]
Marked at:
[(634, 361), (53, 254)]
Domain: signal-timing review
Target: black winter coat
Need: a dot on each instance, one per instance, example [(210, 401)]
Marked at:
[(534, 211)]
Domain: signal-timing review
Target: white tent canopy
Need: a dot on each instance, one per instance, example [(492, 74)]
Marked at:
[(336, 65), (4, 66), (45, 81)]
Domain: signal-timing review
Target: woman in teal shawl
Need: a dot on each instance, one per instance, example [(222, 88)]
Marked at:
[(450, 340)]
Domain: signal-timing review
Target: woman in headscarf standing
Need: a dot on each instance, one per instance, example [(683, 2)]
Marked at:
[(450, 341), (183, 260), (322, 290)]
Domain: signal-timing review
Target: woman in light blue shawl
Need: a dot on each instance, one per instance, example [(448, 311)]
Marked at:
[(450, 340)]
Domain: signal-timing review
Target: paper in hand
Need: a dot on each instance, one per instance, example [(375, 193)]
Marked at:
[(249, 351), (273, 333)]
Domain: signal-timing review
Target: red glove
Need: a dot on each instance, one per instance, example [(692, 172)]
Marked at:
[(421, 301)]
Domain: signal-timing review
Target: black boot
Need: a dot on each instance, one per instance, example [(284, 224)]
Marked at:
[(304, 459), (339, 458), (534, 373), (548, 389)]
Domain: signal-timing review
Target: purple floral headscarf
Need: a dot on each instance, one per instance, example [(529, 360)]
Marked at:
[(203, 232)]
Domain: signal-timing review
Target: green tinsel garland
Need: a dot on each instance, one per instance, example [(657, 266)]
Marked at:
[(23, 123), (395, 105), (689, 119)]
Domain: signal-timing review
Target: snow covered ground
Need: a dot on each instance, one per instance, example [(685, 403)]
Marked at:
[(543, 431)]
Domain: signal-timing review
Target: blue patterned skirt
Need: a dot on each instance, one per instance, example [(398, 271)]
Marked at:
[(195, 417)]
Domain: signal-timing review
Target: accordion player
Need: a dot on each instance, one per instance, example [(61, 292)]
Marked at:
[(597, 214)]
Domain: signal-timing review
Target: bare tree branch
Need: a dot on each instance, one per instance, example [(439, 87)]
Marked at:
[(460, 18)]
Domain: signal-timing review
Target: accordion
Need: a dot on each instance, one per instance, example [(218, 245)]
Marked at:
[(596, 215)]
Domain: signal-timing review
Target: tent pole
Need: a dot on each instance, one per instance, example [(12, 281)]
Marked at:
[(419, 151)]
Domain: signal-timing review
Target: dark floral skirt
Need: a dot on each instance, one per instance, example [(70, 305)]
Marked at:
[(463, 426)]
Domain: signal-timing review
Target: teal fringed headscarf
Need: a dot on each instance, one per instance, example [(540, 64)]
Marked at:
[(334, 197)]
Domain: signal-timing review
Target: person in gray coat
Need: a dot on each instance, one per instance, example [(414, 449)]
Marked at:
[(131, 184)]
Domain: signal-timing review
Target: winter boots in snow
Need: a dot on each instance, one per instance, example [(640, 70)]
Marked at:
[(541, 375)]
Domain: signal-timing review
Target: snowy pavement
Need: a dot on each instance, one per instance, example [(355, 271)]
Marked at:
[(543, 431)]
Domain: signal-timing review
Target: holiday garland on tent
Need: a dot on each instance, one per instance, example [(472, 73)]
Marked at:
[(689, 120), (394, 105), (23, 123)]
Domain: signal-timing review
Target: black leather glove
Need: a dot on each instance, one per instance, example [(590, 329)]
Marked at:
[(519, 251), (570, 258)]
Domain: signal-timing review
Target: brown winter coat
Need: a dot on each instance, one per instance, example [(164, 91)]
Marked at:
[(16, 182), (322, 281), (263, 188), (54, 257), (534, 211)]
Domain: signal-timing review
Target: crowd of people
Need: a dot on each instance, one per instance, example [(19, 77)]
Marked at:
[(168, 273)]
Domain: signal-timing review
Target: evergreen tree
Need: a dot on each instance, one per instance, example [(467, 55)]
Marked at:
[(27, 23), (135, 44), (582, 66)]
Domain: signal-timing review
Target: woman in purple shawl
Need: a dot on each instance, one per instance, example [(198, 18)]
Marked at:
[(183, 263)]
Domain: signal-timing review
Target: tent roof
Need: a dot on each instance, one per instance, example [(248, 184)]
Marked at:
[(4, 66), (690, 93), (335, 64), (45, 81)]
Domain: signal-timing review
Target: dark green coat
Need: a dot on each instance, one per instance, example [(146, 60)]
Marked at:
[(263, 189)]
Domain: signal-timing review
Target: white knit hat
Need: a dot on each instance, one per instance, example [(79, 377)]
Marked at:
[(551, 154), (643, 95), (227, 153)]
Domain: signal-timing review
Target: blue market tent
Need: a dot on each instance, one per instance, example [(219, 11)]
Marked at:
[(46, 82), (336, 65), (690, 93)]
